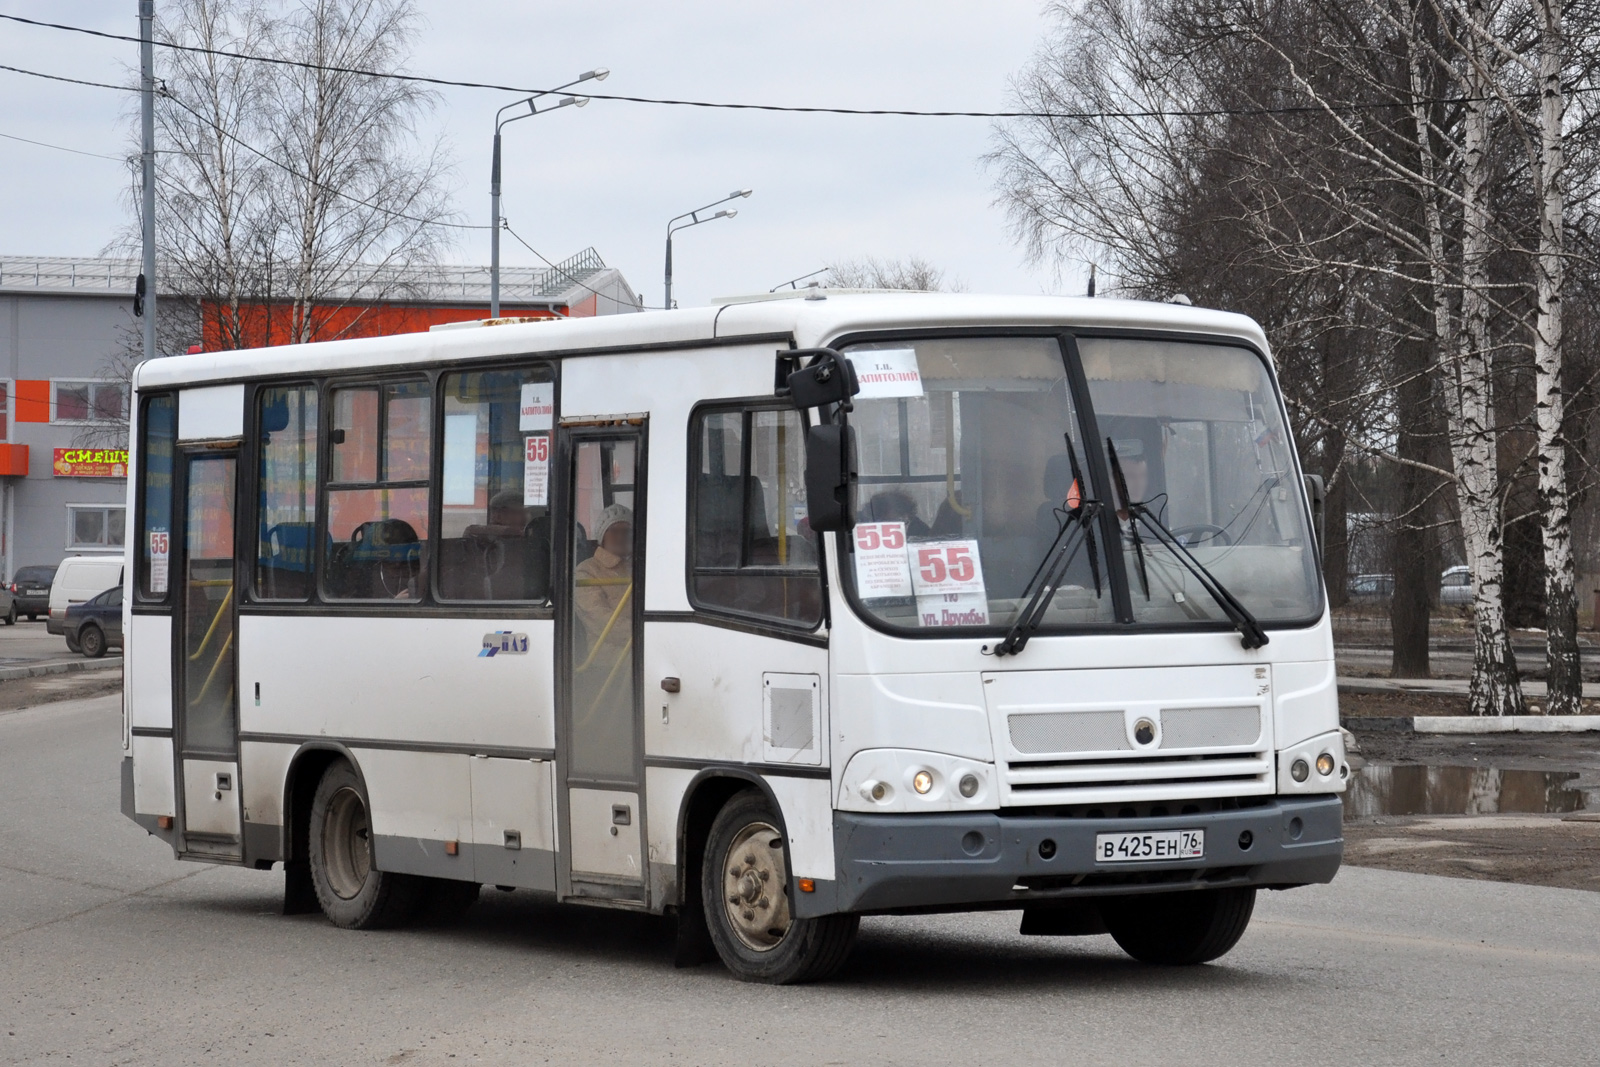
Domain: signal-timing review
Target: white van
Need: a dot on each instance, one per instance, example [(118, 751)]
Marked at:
[(77, 579)]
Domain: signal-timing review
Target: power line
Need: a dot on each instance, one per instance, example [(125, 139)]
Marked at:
[(1222, 112), (253, 150), (74, 81), (518, 238), (62, 148)]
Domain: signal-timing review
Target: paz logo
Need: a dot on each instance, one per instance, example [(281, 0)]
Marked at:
[(504, 642)]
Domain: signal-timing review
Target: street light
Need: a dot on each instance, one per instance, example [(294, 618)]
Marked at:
[(532, 104), (695, 220)]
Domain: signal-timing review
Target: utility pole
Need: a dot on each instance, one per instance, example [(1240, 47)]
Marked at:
[(147, 121)]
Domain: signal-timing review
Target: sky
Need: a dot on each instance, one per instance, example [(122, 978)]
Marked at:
[(611, 174)]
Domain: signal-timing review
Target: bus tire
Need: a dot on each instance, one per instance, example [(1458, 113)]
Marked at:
[(1180, 929), (353, 893), (744, 886)]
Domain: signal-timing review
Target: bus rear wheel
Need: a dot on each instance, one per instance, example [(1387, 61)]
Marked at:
[(1180, 929), (353, 894), (745, 888)]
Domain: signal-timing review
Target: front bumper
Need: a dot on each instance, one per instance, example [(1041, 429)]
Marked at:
[(956, 861)]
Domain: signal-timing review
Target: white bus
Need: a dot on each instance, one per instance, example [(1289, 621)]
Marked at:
[(767, 615)]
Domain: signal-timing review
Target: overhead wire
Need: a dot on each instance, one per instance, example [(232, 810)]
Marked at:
[(63, 148), (563, 273), (1220, 112)]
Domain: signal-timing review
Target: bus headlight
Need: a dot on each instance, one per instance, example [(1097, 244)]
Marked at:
[(898, 780), (1322, 752), (1325, 764), (1298, 770)]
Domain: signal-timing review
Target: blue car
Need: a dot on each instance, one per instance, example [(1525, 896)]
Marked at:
[(96, 624)]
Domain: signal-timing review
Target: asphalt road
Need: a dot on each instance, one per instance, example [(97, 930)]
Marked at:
[(28, 645), (112, 952)]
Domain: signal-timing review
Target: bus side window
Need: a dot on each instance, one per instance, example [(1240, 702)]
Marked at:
[(378, 492), (158, 430), (494, 534), (286, 516), (752, 550)]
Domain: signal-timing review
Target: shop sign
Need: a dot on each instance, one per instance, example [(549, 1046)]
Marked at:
[(91, 463)]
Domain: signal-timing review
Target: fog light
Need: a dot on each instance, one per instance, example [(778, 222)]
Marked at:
[(968, 785), (922, 782), (1325, 764), (1299, 770), (874, 790)]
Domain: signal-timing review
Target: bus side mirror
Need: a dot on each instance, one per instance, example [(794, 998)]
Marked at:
[(831, 477), (1317, 494), (830, 379)]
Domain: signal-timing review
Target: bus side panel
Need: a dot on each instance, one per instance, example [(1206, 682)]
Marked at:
[(716, 716), (807, 805), (1308, 700), (664, 798), (153, 790), (396, 679), (149, 674), (421, 801), (263, 779)]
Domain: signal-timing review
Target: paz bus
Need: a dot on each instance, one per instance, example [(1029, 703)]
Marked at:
[(767, 615)]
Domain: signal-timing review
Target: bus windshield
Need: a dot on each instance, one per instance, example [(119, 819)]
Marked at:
[(973, 460)]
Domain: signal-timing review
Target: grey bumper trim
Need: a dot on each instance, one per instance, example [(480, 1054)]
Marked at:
[(894, 862)]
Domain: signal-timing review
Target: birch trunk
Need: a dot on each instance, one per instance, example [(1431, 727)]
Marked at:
[(1561, 602), (1463, 359)]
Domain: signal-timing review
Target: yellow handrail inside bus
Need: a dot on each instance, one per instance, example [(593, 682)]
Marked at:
[(216, 620), (222, 656), (616, 613)]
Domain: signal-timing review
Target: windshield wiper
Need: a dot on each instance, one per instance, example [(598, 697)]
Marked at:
[(1251, 633), (1053, 567)]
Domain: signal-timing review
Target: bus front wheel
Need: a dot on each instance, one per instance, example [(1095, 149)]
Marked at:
[(745, 888), (1180, 929), (353, 893)]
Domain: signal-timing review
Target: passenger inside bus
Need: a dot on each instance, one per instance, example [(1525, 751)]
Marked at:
[(896, 505), (605, 579)]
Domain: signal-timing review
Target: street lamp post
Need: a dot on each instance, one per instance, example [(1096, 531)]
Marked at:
[(695, 220), (532, 104)]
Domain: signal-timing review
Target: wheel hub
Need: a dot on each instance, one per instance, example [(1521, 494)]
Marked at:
[(755, 884)]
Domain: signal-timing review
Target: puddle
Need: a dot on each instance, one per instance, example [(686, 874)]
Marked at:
[(1413, 789)]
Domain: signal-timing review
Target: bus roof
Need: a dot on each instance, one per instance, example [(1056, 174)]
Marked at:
[(810, 318)]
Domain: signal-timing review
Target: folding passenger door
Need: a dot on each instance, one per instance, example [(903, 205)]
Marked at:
[(205, 674), (599, 731)]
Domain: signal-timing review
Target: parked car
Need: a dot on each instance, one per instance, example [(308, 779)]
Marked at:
[(8, 606), (1371, 587), (1455, 586), (31, 587), (77, 579), (96, 624)]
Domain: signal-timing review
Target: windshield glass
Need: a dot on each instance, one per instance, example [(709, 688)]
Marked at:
[(1202, 445), (965, 482), (967, 478)]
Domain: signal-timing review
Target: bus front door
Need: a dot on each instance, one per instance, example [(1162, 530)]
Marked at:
[(205, 678), (599, 740)]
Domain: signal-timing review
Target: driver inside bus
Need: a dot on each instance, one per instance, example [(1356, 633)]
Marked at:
[(606, 577)]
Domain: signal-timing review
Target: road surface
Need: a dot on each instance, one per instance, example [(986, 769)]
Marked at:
[(111, 952)]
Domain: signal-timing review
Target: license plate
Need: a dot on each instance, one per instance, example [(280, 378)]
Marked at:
[(1146, 847)]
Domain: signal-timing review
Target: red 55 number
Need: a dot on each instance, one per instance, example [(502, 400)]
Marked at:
[(875, 535), (946, 563)]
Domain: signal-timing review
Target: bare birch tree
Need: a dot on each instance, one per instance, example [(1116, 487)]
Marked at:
[(281, 183)]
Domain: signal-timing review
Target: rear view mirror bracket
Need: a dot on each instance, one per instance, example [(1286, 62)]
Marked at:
[(823, 378)]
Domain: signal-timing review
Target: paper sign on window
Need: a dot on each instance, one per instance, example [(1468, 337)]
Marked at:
[(538, 408), (536, 471), (948, 579), (160, 549), (887, 372), (881, 566)]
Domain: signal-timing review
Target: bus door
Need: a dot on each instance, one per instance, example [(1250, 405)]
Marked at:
[(205, 678), (599, 729)]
